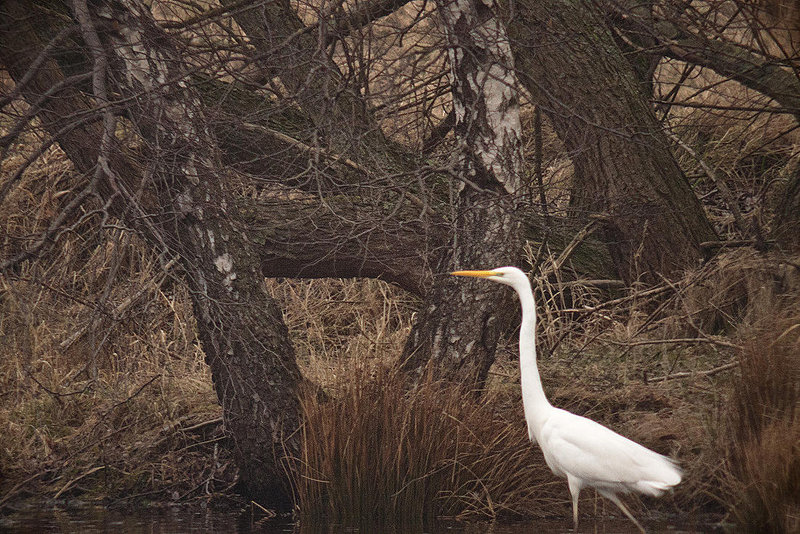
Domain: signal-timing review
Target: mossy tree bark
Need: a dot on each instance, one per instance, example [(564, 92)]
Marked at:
[(625, 172), (177, 195)]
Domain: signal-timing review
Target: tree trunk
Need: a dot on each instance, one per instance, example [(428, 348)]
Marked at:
[(625, 172), (177, 198), (456, 332), (297, 237)]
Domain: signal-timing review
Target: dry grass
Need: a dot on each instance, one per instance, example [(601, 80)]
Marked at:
[(381, 453), (763, 439), (334, 322), (101, 412), (101, 371)]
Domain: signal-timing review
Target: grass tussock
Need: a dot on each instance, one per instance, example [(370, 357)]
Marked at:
[(763, 441), (379, 452)]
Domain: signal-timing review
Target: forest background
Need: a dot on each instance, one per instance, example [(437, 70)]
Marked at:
[(225, 229)]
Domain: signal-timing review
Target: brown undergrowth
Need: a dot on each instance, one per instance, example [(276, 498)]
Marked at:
[(381, 452), (762, 478), (103, 400), (104, 394)]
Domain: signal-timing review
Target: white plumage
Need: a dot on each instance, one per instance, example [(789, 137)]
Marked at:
[(583, 451)]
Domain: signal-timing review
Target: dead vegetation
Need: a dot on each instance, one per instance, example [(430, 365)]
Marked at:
[(126, 411), (380, 452), (105, 394), (763, 428), (104, 389)]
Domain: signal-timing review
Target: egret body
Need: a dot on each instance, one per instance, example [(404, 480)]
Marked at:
[(583, 451)]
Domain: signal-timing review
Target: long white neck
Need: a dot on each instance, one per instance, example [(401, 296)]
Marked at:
[(537, 407)]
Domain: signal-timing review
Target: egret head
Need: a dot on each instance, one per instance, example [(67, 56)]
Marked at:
[(510, 276)]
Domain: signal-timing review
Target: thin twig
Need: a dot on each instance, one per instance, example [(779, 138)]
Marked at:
[(733, 243), (604, 284), (584, 232), (198, 426), (693, 340), (76, 479), (305, 147), (689, 374), (205, 15), (609, 303), (176, 427), (269, 513)]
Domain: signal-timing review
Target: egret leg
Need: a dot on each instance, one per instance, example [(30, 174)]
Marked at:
[(575, 511), (575, 490), (613, 498)]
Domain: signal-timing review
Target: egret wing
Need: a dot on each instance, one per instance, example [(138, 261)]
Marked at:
[(597, 455)]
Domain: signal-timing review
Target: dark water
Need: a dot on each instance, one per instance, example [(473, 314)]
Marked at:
[(185, 520)]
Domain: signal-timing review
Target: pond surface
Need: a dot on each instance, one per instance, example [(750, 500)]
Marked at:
[(189, 520)]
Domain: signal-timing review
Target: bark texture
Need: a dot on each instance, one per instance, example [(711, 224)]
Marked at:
[(457, 330), (625, 173), (297, 237)]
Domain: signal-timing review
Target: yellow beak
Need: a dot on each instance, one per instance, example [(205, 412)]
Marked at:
[(475, 274)]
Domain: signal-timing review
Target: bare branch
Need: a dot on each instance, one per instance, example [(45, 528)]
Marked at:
[(726, 58)]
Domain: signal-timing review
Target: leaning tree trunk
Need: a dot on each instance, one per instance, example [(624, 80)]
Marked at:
[(457, 330), (625, 173), (176, 195)]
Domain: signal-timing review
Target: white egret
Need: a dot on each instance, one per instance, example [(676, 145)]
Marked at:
[(585, 452)]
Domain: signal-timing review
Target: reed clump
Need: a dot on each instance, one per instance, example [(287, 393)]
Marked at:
[(382, 453), (762, 476)]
